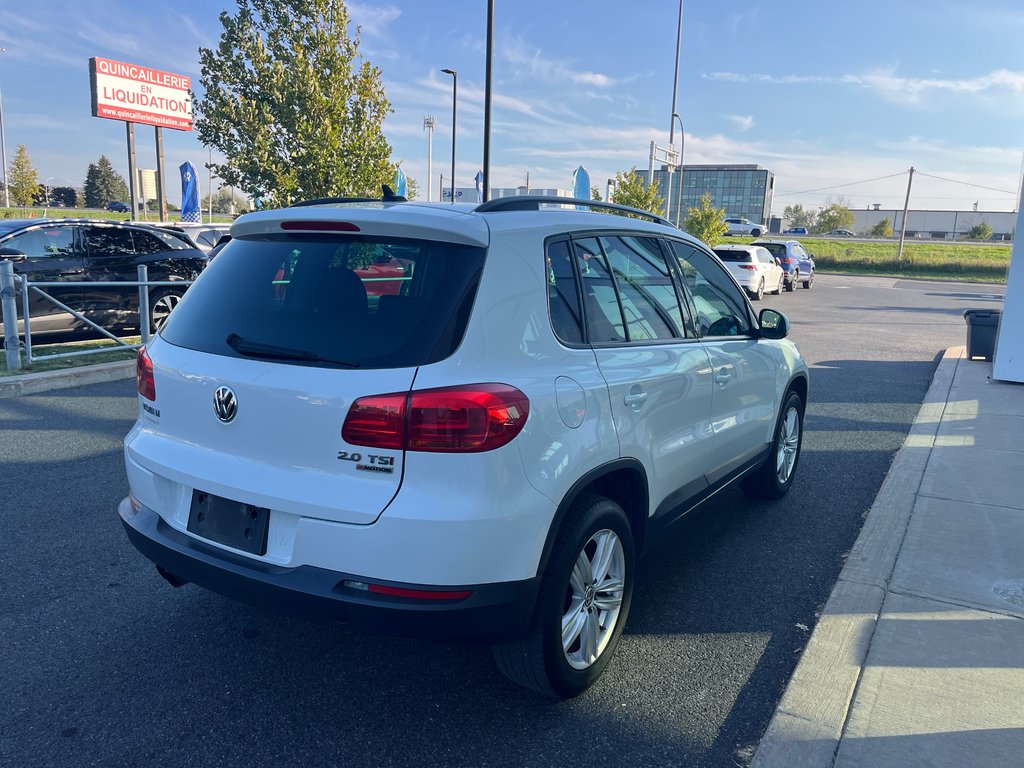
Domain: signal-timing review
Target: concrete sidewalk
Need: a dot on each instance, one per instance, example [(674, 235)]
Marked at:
[(918, 657)]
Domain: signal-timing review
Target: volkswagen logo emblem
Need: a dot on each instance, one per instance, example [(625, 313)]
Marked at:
[(224, 404)]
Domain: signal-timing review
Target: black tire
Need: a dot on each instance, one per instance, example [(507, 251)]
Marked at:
[(538, 660), (809, 281), (781, 286), (756, 295), (791, 285), (161, 303), (755, 233), (766, 482)]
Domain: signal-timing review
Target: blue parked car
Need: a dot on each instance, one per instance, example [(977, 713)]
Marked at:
[(794, 260), (795, 231)]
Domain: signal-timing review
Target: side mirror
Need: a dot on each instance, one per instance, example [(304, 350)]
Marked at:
[(774, 325), (11, 254), (811, 255), (778, 261)]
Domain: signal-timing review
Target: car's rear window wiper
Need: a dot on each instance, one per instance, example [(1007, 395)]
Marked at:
[(271, 352)]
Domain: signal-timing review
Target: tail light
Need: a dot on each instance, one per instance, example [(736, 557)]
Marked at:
[(785, 259), (748, 266), (144, 376), (475, 418)]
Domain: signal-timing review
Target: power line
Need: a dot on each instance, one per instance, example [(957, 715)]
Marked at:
[(837, 186), (966, 183)]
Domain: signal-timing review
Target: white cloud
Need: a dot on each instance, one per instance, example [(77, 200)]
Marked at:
[(887, 83), (531, 60), (743, 122), (372, 19)]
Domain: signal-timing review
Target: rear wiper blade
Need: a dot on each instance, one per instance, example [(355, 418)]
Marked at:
[(271, 352)]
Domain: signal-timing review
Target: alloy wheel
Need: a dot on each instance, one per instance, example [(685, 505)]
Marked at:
[(161, 308), (593, 599), (789, 444)]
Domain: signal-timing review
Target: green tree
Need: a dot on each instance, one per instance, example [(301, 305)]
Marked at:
[(706, 222), (24, 178), (836, 216), (798, 216), (595, 194), (982, 231), (631, 190), (292, 106), (68, 196), (412, 188), (103, 184), (882, 229), (222, 202)]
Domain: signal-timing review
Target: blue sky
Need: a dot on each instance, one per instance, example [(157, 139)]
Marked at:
[(821, 93)]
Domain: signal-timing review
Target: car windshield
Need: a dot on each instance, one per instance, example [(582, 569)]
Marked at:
[(726, 254), (331, 301)]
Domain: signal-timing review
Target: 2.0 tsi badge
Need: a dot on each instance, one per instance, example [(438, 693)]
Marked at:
[(224, 404)]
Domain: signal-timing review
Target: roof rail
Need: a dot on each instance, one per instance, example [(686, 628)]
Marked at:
[(534, 202), (388, 196)]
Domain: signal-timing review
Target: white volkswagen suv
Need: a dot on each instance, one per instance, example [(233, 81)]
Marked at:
[(477, 445)]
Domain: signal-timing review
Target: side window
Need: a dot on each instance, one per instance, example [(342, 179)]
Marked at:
[(57, 242), (604, 317), (563, 295), (108, 241), (766, 257), (721, 309), (799, 252), (648, 296), (146, 243)]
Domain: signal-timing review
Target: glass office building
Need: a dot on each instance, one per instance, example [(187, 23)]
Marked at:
[(742, 190)]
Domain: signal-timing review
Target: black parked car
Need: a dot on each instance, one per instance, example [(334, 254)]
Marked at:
[(72, 251), (118, 207)]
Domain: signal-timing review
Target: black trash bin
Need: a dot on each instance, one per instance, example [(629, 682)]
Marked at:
[(981, 332)]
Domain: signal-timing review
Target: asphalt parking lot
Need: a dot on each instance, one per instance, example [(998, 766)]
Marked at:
[(105, 664)]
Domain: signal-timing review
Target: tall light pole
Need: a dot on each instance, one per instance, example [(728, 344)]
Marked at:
[(3, 150), (455, 102), (682, 145), (487, 102), (429, 121), (46, 193)]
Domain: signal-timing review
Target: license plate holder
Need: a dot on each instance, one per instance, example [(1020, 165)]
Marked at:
[(229, 522)]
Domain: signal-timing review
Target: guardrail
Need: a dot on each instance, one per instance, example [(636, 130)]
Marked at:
[(12, 284)]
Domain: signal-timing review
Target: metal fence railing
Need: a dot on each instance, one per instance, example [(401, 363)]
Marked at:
[(12, 284)]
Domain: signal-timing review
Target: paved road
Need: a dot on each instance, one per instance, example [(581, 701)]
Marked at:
[(104, 664)]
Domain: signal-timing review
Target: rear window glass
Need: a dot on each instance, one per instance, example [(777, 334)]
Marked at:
[(776, 249), (727, 255), (331, 301)]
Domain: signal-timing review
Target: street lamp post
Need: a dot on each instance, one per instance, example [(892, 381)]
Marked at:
[(455, 101), (682, 145), (46, 194), (3, 150), (429, 122)]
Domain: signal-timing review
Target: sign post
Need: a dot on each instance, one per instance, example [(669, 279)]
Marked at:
[(133, 187)]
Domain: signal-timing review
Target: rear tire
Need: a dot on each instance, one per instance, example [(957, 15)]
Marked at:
[(756, 295), (791, 285), (161, 304), (773, 479), (582, 605), (782, 284), (809, 281)]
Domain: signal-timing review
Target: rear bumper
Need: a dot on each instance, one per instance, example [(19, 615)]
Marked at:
[(493, 612)]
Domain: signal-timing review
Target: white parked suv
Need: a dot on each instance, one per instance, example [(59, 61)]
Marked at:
[(754, 268), (478, 446), (739, 226)]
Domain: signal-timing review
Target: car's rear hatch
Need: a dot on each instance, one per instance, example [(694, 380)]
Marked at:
[(298, 324)]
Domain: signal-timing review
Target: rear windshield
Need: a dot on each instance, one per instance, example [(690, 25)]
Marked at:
[(331, 301), (727, 255), (776, 249)]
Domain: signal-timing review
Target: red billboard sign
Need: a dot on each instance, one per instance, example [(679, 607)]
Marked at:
[(137, 94)]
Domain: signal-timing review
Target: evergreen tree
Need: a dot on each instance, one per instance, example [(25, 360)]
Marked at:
[(24, 179), (103, 184), (292, 106)]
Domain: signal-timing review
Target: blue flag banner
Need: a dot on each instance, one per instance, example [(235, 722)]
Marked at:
[(581, 186), (400, 182), (479, 178), (189, 193)]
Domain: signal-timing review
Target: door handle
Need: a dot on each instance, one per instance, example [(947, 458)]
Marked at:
[(635, 399), (66, 272), (723, 376)]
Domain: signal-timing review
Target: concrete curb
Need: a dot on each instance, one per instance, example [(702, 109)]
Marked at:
[(29, 383), (809, 721)]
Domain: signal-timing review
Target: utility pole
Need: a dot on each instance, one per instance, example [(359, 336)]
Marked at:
[(429, 121), (672, 122), (903, 229), (3, 150), (487, 101)]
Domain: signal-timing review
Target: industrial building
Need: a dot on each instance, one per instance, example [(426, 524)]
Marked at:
[(938, 225)]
